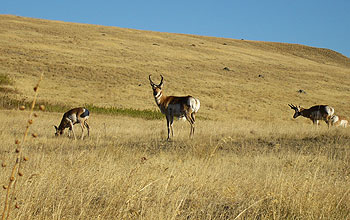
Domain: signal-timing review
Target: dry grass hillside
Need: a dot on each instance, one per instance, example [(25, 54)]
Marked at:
[(248, 159), (109, 66)]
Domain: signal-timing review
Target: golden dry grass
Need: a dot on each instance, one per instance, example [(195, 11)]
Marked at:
[(249, 159), (126, 170)]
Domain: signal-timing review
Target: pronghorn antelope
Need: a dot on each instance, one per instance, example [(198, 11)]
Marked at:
[(340, 121), (315, 113), (72, 117), (174, 106)]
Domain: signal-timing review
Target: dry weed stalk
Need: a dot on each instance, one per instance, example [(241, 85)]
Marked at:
[(16, 169)]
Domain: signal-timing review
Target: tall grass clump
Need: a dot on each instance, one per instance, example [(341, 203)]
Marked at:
[(16, 170)]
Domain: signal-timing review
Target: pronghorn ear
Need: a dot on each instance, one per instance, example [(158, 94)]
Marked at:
[(55, 127)]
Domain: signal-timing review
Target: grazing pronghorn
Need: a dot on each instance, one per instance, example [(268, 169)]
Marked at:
[(72, 117), (174, 106), (340, 121), (315, 113)]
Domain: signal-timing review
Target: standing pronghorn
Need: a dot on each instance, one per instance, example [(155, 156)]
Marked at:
[(315, 113), (340, 121), (72, 117), (186, 106)]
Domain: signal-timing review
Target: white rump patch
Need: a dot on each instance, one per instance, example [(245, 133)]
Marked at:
[(330, 110), (334, 119), (343, 123), (194, 104)]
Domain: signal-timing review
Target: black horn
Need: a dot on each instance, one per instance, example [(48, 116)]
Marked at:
[(161, 81), (292, 106), (149, 77)]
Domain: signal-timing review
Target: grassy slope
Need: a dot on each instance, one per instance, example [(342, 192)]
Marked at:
[(127, 170), (109, 66)]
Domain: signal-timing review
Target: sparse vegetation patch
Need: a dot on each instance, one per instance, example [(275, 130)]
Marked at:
[(5, 80)]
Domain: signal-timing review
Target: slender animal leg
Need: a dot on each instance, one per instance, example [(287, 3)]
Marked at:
[(192, 129), (82, 130), (70, 124), (193, 117), (189, 119), (328, 118), (171, 125), (69, 131), (71, 127), (88, 128), (168, 125), (193, 120)]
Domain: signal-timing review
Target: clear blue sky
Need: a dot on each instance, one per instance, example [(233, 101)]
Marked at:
[(318, 23)]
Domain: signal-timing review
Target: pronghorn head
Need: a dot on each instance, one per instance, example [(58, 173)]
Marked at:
[(296, 109), (157, 89), (58, 131)]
